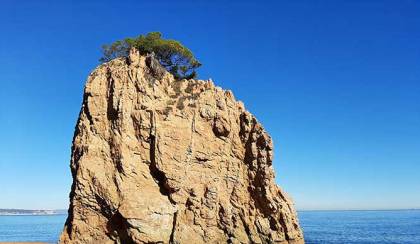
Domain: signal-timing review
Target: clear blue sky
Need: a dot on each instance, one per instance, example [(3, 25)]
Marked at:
[(336, 84)]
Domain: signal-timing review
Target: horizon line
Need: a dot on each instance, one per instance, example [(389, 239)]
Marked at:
[(361, 209), (298, 210)]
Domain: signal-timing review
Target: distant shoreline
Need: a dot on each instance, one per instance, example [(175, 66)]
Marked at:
[(45, 214), (27, 212), (24, 242)]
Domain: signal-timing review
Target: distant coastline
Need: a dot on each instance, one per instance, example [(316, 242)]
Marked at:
[(19, 212)]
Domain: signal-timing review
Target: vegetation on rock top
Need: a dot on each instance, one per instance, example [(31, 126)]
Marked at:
[(171, 54)]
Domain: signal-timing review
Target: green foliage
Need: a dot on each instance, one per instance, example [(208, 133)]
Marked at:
[(172, 55)]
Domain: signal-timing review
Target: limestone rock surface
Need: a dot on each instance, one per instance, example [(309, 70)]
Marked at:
[(156, 160)]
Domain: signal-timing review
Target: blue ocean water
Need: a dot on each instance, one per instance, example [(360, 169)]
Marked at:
[(361, 227), (33, 228), (320, 227)]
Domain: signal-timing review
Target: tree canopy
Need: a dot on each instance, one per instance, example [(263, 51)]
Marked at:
[(175, 57)]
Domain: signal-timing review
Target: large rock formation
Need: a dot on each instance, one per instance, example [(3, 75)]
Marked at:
[(155, 160)]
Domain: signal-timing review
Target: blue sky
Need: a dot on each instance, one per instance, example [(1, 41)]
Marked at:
[(336, 84)]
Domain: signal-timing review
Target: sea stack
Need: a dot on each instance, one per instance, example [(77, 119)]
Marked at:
[(159, 160)]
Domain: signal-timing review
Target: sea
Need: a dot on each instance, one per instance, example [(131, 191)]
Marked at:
[(320, 227)]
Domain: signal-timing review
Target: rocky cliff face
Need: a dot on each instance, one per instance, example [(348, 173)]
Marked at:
[(156, 160)]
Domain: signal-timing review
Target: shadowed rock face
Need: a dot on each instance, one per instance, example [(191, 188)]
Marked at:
[(155, 160)]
